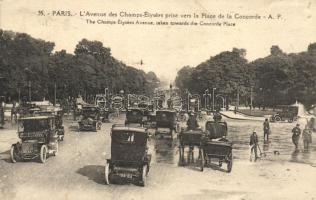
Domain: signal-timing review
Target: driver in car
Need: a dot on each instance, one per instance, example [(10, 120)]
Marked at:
[(192, 122)]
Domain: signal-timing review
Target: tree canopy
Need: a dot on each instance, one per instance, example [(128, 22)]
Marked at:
[(279, 78), (29, 63)]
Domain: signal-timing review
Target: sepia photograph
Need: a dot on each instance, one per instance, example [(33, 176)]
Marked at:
[(158, 99)]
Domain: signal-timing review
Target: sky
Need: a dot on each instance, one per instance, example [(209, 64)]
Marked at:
[(166, 49)]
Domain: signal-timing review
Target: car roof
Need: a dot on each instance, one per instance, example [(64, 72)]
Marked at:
[(36, 117), (128, 128), (193, 131), (169, 111)]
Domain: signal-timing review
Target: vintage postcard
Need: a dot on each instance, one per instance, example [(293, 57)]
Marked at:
[(157, 99)]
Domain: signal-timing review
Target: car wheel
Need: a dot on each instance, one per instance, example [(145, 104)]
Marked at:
[(277, 118), (181, 156), (55, 152), (13, 154), (172, 132), (201, 160), (106, 173), (143, 181), (230, 163), (43, 153)]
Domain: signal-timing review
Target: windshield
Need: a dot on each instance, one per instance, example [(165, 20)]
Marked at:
[(34, 125), (165, 116), (124, 137), (91, 112)]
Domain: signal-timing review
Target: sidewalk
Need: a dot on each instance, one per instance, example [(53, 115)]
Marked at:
[(238, 116)]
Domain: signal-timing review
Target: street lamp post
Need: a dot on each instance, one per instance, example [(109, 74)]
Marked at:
[(55, 94), (251, 98), (30, 95), (237, 98), (205, 95), (188, 101), (213, 98)]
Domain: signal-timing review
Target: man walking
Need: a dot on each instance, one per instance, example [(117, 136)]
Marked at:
[(307, 137), (253, 145), (296, 135), (266, 129)]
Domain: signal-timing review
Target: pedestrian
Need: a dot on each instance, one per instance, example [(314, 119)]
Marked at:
[(14, 113), (296, 135), (169, 103), (192, 122), (253, 145), (266, 129), (307, 137)]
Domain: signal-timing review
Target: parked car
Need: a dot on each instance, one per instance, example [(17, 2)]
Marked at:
[(130, 159), (38, 139), (285, 113)]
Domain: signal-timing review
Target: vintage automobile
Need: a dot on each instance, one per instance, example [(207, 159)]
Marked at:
[(90, 120), (27, 109), (130, 159), (38, 139), (217, 146), (191, 139), (134, 116), (1, 116), (58, 115), (167, 123), (285, 113)]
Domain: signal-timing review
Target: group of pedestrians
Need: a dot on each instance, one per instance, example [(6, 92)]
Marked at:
[(296, 134), (307, 136)]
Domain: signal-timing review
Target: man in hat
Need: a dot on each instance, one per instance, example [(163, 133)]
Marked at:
[(266, 129), (253, 144), (296, 135), (192, 122), (307, 137)]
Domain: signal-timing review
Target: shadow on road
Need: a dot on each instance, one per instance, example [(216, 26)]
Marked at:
[(93, 172), (5, 156)]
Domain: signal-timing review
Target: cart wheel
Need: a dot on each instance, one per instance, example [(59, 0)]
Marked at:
[(111, 117), (106, 173), (177, 128), (173, 134), (43, 153), (230, 163), (55, 152), (290, 120), (143, 181), (13, 154), (201, 152), (181, 156), (189, 156)]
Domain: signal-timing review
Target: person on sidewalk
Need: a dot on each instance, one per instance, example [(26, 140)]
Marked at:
[(266, 129), (253, 145), (14, 113), (307, 137), (296, 135)]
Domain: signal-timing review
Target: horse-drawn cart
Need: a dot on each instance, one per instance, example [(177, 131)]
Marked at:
[(191, 139), (217, 146)]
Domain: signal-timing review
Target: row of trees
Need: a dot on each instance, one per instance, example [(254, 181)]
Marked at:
[(29, 64), (279, 78)]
